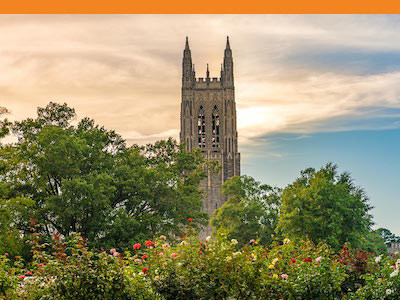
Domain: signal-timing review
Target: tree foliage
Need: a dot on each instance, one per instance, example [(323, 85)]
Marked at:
[(324, 205), (251, 211), (84, 179)]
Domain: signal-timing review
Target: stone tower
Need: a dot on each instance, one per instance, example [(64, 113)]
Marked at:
[(208, 122)]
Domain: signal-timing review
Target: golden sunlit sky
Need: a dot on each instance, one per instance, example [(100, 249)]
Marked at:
[(309, 88)]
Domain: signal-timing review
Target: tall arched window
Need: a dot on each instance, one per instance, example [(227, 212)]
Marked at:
[(201, 128), (215, 128)]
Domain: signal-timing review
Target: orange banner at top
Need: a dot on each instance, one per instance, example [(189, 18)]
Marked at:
[(198, 6)]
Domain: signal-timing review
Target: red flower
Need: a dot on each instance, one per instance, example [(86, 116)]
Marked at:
[(340, 261), (144, 256), (293, 260), (149, 243), (40, 265), (201, 252), (60, 255), (137, 246), (29, 273), (6, 254), (145, 270), (17, 257), (174, 255), (190, 220), (22, 277), (307, 259)]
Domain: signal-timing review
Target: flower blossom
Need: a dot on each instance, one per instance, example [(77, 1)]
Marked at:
[(174, 255), (190, 220), (208, 238), (394, 273), (252, 241), (149, 243), (160, 254), (145, 270), (29, 273), (307, 259), (378, 258), (112, 251), (318, 259), (163, 237), (293, 260), (137, 246), (21, 277), (234, 241), (138, 260), (144, 256), (284, 276), (6, 254), (389, 291), (165, 246), (286, 241), (116, 254)]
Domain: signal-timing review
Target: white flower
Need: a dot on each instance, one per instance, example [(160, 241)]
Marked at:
[(394, 273), (208, 238), (389, 291), (236, 253), (275, 260), (378, 258), (286, 241), (234, 241)]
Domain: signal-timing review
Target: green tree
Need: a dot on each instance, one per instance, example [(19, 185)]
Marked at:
[(325, 206), (84, 179), (251, 211), (387, 236), (373, 242)]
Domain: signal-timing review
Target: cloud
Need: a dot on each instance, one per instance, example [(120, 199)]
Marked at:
[(293, 73)]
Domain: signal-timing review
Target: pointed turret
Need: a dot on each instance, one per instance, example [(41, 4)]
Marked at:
[(187, 67), (208, 74), (228, 65)]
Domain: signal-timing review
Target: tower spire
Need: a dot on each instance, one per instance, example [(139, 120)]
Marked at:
[(208, 72), (227, 43), (187, 43)]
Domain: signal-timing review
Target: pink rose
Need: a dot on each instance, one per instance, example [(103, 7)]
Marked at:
[(138, 260), (22, 277), (163, 237), (115, 254), (284, 276), (318, 259), (112, 251), (252, 241), (165, 245)]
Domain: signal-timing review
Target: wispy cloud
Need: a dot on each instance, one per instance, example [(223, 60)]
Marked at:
[(294, 74)]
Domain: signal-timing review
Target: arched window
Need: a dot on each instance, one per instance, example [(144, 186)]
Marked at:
[(215, 128), (201, 128)]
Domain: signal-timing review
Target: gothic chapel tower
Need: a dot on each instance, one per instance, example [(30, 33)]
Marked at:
[(208, 122)]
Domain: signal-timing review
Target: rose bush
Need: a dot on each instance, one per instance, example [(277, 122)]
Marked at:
[(186, 268)]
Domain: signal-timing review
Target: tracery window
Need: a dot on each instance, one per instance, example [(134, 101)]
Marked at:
[(215, 128), (201, 128)]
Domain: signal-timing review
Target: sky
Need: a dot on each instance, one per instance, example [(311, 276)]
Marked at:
[(310, 89)]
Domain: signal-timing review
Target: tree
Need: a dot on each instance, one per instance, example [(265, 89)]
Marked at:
[(251, 211), (387, 236), (325, 206), (84, 179)]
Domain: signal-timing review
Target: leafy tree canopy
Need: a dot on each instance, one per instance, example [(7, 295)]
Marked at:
[(251, 211), (324, 205), (84, 179), (388, 236)]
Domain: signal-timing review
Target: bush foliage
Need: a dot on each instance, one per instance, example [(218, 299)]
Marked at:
[(186, 268)]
